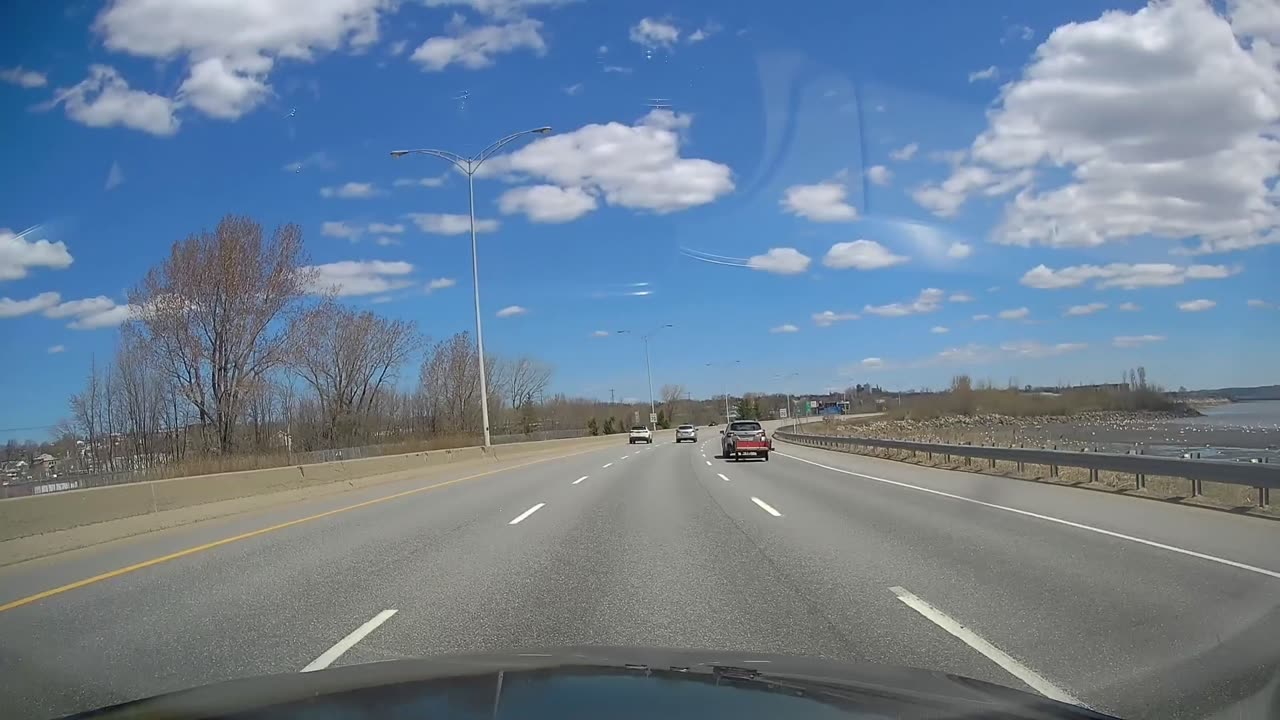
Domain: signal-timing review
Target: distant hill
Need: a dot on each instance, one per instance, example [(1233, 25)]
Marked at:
[(1261, 392)]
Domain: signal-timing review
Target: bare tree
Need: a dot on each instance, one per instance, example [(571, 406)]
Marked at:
[(450, 384), (349, 358), (219, 312), (522, 380)]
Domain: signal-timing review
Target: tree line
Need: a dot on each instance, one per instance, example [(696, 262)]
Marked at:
[(229, 351)]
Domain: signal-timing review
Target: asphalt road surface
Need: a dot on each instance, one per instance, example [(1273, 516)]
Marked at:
[(1138, 608)]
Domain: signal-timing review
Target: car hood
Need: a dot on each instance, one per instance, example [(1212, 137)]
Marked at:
[(614, 682)]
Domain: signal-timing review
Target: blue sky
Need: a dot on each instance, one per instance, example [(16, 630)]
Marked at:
[(849, 191)]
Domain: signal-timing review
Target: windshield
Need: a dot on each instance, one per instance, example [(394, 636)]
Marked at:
[(323, 322)]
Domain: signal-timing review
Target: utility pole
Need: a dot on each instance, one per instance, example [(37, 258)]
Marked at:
[(610, 396)]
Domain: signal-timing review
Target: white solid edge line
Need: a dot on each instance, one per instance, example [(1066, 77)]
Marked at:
[(605, 465), (527, 513), (1032, 678), (347, 642), (722, 477), (764, 505), (1047, 518), (584, 477)]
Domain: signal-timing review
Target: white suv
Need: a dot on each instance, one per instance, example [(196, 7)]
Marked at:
[(687, 432), (640, 433)]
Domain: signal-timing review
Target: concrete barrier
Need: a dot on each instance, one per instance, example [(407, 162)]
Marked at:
[(37, 514)]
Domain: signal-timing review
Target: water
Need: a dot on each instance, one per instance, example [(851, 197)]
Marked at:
[(1259, 414)]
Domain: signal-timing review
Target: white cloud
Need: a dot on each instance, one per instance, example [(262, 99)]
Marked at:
[(574, 89), (1162, 122), (104, 100), (115, 177), (981, 316), (319, 160), (1087, 309), (987, 73), (939, 330), (397, 47), (879, 175), (547, 203), (360, 277), (1196, 305), (231, 46), (1122, 275), (476, 47), (440, 284), (1014, 314), (222, 91), (959, 250), (822, 202), (331, 228), (698, 36), (827, 318), (782, 261), (1129, 307), (1033, 349), (350, 190), (601, 333), (78, 308), (960, 297), (1132, 341), (16, 308), (1259, 304), (23, 78), (511, 311), (450, 224), (945, 199), (784, 328), (431, 181), (55, 349), (653, 33), (861, 255), (386, 228), (19, 254), (929, 300), (386, 241), (906, 152), (620, 69), (633, 166), (498, 8), (110, 317), (872, 363)]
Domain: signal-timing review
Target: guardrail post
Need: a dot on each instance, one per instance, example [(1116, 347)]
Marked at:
[(1093, 475), (929, 455), (993, 463), (1264, 496), (1196, 487)]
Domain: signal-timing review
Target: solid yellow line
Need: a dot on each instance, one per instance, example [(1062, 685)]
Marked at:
[(254, 533)]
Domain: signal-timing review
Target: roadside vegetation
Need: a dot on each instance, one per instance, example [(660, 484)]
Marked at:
[(965, 398)]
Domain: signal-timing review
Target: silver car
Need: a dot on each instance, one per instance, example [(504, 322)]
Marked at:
[(687, 432)]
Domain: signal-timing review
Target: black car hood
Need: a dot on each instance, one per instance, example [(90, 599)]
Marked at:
[(606, 682)]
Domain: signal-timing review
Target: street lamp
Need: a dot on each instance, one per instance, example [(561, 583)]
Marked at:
[(653, 409), (790, 412), (469, 166), (726, 385)]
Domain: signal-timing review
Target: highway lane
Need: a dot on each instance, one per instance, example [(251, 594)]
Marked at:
[(651, 545)]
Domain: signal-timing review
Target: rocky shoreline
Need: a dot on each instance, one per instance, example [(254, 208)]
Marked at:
[(1154, 432)]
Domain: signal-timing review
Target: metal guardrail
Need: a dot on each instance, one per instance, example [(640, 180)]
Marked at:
[(1263, 476)]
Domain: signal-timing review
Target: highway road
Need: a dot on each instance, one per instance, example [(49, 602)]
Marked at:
[(1134, 607)]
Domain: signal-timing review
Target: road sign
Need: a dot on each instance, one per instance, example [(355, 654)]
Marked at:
[(653, 417), (782, 412)]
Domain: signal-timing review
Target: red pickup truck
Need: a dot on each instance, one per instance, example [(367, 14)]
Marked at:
[(745, 437)]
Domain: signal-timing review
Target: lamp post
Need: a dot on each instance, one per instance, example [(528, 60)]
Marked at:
[(469, 166), (726, 385), (653, 409), (790, 412)]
